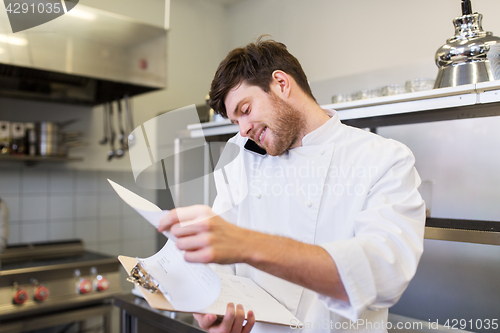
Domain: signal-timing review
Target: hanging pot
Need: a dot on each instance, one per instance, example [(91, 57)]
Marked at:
[(50, 137)]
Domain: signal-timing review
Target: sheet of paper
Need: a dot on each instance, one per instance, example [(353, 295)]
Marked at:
[(241, 290), (190, 287), (187, 286), (151, 212), (230, 292)]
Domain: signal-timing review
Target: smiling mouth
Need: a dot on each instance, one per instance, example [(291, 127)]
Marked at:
[(261, 136)]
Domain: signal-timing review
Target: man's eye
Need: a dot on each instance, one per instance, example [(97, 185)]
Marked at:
[(246, 111)]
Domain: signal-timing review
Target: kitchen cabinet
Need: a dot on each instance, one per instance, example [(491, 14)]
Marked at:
[(462, 102)]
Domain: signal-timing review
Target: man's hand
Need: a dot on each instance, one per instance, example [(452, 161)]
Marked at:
[(206, 237), (231, 323)]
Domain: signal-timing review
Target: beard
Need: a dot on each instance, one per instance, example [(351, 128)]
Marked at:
[(285, 124)]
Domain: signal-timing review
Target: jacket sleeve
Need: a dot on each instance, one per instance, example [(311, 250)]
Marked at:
[(377, 264)]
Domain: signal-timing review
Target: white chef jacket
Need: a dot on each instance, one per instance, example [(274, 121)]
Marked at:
[(348, 190)]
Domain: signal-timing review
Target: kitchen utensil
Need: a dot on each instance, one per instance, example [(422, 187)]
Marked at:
[(111, 152), (471, 56), (30, 139), (130, 121), (50, 137), (121, 135), (105, 122), (419, 84), (71, 140)]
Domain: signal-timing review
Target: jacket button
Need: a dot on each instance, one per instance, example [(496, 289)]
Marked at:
[(309, 203), (323, 152), (259, 195)]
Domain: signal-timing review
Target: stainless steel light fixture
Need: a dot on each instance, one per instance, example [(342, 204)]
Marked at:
[(471, 56)]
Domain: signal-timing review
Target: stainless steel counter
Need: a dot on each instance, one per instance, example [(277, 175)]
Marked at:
[(137, 316)]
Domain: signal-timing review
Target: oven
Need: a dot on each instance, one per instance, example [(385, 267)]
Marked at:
[(56, 287)]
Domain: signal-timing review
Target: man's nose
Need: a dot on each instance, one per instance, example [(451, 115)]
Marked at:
[(245, 128)]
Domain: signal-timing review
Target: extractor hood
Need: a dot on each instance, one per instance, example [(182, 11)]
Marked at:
[(87, 56)]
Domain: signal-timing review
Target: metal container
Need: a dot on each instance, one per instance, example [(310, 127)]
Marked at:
[(50, 138), (471, 56)]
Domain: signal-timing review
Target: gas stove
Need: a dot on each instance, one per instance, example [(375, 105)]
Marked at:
[(42, 279)]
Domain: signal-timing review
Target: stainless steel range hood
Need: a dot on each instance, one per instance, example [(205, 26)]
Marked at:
[(86, 56)]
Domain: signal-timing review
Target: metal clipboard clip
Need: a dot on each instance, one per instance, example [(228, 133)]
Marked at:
[(140, 276)]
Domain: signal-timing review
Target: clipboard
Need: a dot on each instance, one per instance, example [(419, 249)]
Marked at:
[(153, 296), (179, 289), (156, 299)]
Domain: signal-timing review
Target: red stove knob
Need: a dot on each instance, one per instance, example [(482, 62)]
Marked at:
[(20, 296), (41, 293), (102, 284), (84, 286)]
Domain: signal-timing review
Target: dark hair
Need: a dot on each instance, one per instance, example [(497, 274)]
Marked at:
[(254, 64)]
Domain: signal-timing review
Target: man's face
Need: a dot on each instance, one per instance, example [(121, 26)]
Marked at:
[(265, 118)]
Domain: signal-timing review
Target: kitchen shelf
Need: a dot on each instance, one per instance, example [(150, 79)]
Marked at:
[(458, 230), (462, 102), (31, 160), (467, 101)]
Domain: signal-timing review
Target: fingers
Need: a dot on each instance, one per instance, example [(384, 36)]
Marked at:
[(227, 322), (185, 216), (183, 231), (250, 322), (168, 221), (195, 240), (231, 323), (205, 320), (238, 319), (194, 214), (203, 255)]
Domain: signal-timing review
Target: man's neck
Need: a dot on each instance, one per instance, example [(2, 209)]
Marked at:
[(314, 117)]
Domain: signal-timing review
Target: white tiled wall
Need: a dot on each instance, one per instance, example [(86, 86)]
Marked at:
[(54, 203)]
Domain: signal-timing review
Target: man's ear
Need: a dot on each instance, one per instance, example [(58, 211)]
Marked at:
[(281, 83)]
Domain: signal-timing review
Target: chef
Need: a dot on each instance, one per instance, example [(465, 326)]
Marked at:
[(328, 218)]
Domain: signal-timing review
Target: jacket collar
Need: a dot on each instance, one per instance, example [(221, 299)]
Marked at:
[(326, 133)]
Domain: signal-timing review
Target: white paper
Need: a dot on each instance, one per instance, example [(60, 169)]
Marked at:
[(151, 212), (241, 290), (188, 287), (191, 287)]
